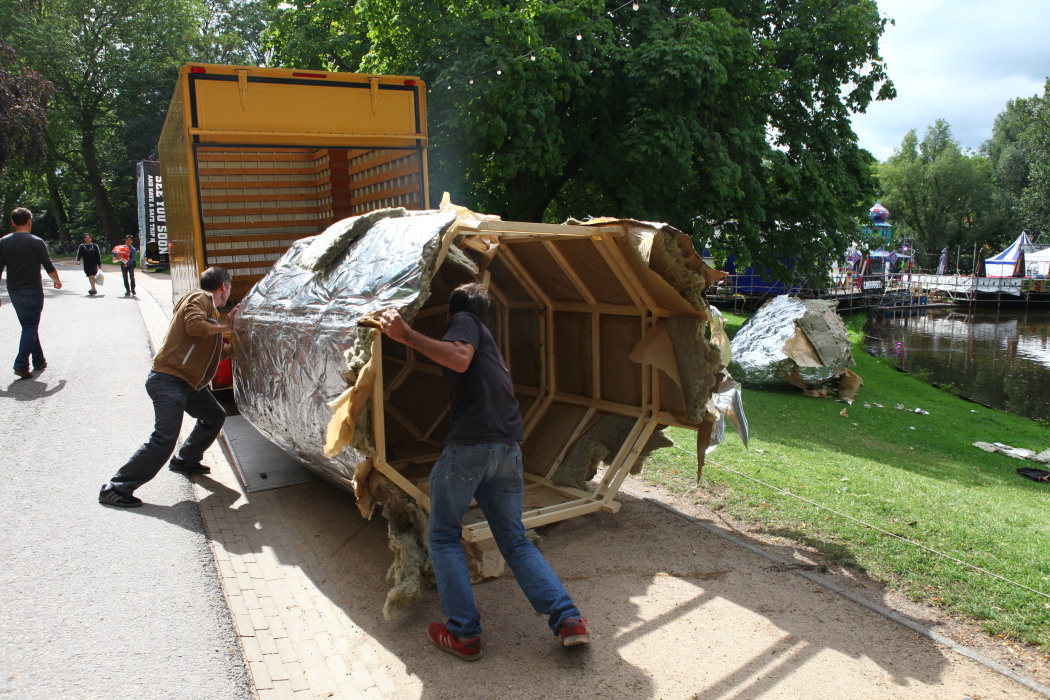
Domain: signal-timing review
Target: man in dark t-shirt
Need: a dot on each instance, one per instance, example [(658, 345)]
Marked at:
[(23, 254), (91, 256), (480, 460)]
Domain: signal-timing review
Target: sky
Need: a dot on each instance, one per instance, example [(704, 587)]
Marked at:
[(959, 61)]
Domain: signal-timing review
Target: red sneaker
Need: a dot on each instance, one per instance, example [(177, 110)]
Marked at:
[(466, 649), (574, 632)]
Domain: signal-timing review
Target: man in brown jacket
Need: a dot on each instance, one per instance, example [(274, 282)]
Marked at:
[(182, 370)]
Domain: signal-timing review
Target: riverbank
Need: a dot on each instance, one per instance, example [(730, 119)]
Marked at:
[(898, 494)]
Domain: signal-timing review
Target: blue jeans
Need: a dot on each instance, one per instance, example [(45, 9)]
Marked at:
[(491, 474), (28, 304), (171, 398)]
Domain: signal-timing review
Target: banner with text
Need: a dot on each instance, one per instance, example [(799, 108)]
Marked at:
[(153, 228)]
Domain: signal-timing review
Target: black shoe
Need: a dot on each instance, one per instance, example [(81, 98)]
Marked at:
[(127, 294), (183, 467), (111, 497), (92, 291), (24, 373)]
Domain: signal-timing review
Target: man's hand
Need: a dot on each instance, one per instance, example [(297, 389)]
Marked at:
[(232, 316), (391, 323), (454, 355)]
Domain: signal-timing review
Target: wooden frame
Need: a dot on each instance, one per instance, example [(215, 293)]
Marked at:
[(555, 501)]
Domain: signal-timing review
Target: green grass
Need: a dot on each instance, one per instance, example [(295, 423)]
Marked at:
[(917, 476)]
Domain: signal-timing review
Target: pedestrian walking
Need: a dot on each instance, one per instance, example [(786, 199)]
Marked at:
[(178, 383), (480, 460), (89, 254), (23, 254), (126, 254)]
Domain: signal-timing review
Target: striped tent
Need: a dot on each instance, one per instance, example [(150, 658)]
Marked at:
[(1005, 263)]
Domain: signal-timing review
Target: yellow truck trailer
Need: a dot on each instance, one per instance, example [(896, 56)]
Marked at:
[(253, 159)]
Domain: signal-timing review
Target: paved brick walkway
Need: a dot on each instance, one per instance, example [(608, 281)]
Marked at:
[(295, 641)]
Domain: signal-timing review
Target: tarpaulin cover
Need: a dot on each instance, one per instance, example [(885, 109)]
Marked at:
[(296, 325), (790, 340)]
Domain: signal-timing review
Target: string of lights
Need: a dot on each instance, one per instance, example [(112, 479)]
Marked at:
[(532, 55)]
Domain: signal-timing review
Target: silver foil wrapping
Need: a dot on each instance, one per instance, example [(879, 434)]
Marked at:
[(760, 349), (296, 326)]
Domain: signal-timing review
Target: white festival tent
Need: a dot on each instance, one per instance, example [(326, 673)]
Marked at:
[(1002, 265), (1038, 263)]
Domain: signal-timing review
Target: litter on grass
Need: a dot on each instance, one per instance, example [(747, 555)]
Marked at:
[(1014, 452)]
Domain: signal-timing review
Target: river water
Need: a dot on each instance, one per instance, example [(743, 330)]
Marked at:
[(1000, 358)]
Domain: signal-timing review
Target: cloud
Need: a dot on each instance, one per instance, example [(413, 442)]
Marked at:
[(958, 61)]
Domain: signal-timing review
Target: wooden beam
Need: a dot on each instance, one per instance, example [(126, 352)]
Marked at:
[(246, 237), (385, 176), (568, 491), (264, 223), (378, 158), (625, 458), (265, 184), (566, 268), (392, 412), (513, 229), (581, 426), (207, 154), (228, 171), (386, 194), (260, 211), (268, 197), (277, 251), (403, 483), (596, 355)]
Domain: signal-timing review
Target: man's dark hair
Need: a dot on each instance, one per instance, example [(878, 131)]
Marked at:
[(21, 216), (471, 297), (213, 278)]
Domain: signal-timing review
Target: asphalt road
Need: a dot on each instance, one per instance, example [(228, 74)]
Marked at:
[(98, 602)]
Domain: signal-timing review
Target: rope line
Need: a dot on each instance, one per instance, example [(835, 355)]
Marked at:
[(786, 492)]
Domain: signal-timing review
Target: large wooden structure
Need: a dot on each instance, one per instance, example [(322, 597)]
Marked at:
[(604, 330)]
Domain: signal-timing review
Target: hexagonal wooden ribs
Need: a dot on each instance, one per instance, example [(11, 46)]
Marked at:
[(571, 304)]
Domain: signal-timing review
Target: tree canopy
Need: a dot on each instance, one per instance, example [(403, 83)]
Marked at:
[(23, 102), (1029, 145), (113, 65), (941, 197), (938, 196), (730, 119)]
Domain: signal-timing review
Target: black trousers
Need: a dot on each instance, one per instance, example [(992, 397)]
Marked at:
[(128, 273), (171, 398)]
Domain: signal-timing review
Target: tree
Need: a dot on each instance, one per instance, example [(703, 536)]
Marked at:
[(1010, 160), (1035, 198), (231, 32), (727, 118), (1019, 153), (938, 196), (112, 63), (23, 104)]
